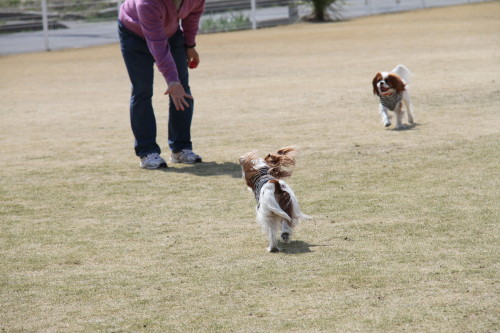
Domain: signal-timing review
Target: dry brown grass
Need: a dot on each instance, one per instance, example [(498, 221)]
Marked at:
[(405, 229)]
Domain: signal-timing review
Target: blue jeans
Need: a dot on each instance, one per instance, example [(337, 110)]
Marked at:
[(139, 63)]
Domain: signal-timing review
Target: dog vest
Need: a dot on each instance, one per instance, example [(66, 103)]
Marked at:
[(260, 180), (391, 101)]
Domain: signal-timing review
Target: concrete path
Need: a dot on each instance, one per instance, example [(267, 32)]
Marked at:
[(90, 34), (78, 35)]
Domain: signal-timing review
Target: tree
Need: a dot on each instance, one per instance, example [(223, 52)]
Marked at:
[(320, 9)]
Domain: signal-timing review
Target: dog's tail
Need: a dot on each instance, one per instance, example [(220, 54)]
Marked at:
[(281, 200), (403, 72)]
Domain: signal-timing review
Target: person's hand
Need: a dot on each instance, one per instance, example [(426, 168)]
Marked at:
[(192, 57), (178, 95)]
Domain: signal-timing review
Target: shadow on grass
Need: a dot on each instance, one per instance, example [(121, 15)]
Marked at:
[(406, 127), (296, 247), (207, 169)]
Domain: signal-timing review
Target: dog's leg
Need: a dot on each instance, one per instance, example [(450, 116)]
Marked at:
[(286, 231), (409, 111), (271, 229), (399, 115), (385, 117)]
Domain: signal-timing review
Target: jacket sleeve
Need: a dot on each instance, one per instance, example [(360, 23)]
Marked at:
[(151, 16), (191, 23)]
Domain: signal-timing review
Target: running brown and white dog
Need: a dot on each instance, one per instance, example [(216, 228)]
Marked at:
[(392, 89), (277, 207)]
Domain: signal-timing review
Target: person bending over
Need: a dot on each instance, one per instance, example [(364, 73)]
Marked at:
[(161, 32)]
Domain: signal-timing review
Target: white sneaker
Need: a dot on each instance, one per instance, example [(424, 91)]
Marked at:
[(185, 156), (153, 161)]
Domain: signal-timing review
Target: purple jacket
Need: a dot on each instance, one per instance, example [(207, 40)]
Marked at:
[(156, 21)]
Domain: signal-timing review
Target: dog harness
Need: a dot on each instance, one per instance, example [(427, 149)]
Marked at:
[(259, 180), (390, 101)]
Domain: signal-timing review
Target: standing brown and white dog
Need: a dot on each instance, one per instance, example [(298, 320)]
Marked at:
[(277, 206), (392, 89)]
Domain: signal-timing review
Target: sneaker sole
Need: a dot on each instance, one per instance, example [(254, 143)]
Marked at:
[(161, 166), (198, 160)]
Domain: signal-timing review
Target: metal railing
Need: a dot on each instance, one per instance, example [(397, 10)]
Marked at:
[(52, 20)]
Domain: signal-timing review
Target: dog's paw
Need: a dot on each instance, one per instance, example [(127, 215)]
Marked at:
[(273, 249), (285, 237)]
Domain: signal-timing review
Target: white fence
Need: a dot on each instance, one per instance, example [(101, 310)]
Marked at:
[(356, 8), (35, 25)]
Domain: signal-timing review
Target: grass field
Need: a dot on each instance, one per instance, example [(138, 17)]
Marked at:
[(405, 229)]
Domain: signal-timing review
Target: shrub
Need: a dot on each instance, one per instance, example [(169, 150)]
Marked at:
[(320, 9)]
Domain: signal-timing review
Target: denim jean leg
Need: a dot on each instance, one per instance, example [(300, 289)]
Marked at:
[(179, 122), (140, 68)]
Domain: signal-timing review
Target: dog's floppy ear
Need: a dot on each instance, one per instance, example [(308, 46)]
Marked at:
[(248, 157), (248, 167), (377, 78), (281, 162), (286, 151), (271, 160), (396, 82)]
